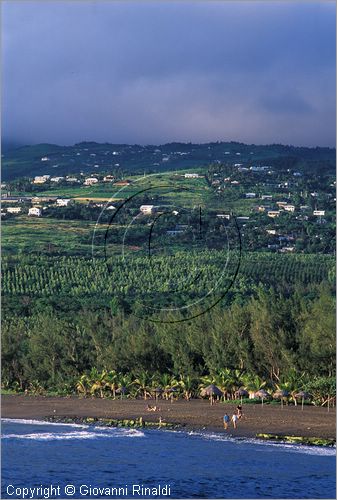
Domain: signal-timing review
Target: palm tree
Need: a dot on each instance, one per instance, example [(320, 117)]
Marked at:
[(292, 382), (111, 381), (98, 381), (82, 386), (188, 385), (229, 381), (252, 383), (124, 382), (36, 388), (206, 380), (236, 381), (221, 380), (143, 384), (165, 382)]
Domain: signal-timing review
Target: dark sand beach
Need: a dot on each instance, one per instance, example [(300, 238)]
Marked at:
[(195, 414)]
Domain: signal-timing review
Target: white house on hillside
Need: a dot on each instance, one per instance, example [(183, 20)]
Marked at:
[(14, 210), (35, 211), (41, 179), (63, 202), (90, 181), (147, 209), (273, 213), (289, 208), (56, 179)]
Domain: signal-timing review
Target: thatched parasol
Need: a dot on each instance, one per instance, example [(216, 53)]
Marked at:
[(158, 391), (211, 390), (262, 394), (281, 394), (302, 395), (241, 393)]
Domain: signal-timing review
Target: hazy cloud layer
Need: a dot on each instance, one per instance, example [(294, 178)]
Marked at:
[(156, 72)]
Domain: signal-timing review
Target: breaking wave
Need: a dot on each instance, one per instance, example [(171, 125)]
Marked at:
[(86, 432), (268, 445)]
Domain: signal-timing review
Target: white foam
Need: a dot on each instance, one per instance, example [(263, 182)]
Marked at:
[(86, 432), (39, 422), (57, 436), (268, 445), (51, 436)]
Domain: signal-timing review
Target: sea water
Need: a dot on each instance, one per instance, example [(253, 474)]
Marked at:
[(46, 460)]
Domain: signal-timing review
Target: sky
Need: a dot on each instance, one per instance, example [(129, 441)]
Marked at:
[(154, 72)]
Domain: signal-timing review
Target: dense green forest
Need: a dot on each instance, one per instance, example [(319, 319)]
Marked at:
[(63, 317)]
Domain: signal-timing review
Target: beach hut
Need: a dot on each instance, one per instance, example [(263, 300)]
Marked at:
[(262, 394), (302, 395), (241, 393), (211, 391), (281, 394)]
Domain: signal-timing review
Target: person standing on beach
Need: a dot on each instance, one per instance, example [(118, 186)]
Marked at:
[(239, 410), (235, 418), (226, 421)]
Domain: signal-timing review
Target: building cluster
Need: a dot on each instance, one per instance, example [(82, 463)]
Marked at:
[(31, 205), (87, 181), (284, 206), (289, 196), (94, 179), (43, 179)]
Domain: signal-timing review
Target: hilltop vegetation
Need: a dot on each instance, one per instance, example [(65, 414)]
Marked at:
[(86, 156)]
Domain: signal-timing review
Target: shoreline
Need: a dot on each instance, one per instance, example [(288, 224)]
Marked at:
[(162, 426), (195, 415)]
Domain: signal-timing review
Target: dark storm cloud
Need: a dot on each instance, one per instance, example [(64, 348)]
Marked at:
[(155, 72)]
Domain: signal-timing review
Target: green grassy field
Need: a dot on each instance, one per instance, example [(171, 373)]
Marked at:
[(108, 188), (26, 235), (31, 235), (175, 189)]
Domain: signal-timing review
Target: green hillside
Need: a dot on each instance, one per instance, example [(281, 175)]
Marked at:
[(89, 156)]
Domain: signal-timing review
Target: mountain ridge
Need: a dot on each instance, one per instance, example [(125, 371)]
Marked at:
[(85, 156)]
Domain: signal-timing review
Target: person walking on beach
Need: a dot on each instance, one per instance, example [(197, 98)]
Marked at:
[(235, 418), (239, 411), (226, 421)]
